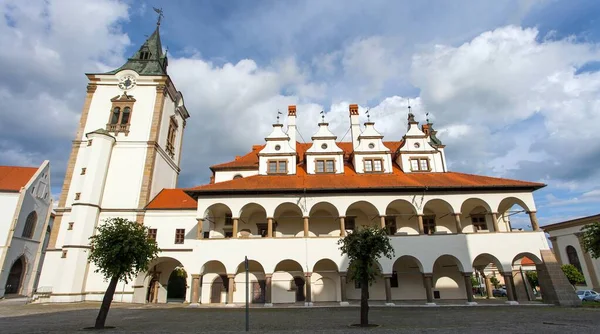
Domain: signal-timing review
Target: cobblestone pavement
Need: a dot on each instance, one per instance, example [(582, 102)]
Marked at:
[(175, 318)]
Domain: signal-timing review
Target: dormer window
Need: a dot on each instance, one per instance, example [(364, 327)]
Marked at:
[(373, 165), (145, 55), (325, 166), (277, 167), (419, 165)]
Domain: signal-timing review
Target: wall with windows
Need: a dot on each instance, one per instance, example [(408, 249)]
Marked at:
[(359, 162), (566, 237)]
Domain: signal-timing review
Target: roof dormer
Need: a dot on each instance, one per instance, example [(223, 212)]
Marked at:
[(278, 156), (421, 151), (324, 156), (371, 155)]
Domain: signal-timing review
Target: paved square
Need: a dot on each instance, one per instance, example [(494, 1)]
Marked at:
[(69, 318)]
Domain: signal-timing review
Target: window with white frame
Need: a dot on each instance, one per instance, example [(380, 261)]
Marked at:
[(419, 165), (325, 166), (277, 167), (373, 165)]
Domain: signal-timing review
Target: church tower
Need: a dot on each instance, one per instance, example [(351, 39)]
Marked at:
[(127, 148)]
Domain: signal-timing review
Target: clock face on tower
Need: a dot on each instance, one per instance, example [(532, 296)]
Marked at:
[(127, 82)]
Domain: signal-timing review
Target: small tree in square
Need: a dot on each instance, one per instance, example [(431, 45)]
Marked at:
[(121, 249), (591, 239), (495, 282), (363, 248), (573, 274)]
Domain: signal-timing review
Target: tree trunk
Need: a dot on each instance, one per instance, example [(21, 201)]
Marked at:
[(108, 297), (364, 302)]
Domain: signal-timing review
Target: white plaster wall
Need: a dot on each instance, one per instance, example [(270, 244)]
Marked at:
[(221, 176), (165, 175), (8, 205), (124, 178), (566, 238), (77, 179)]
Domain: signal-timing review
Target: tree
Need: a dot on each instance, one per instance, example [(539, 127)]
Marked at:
[(363, 248), (121, 249), (495, 282), (591, 239), (573, 274), (532, 277)]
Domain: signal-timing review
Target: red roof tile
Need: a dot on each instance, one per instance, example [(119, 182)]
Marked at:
[(172, 199), (525, 261), (351, 180), (13, 178)]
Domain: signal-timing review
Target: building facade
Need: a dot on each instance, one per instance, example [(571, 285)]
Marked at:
[(567, 246), (284, 205), (25, 209)]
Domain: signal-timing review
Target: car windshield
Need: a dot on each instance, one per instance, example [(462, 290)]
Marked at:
[(580, 292)]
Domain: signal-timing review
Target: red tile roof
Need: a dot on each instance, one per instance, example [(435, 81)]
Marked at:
[(13, 178), (172, 199), (350, 180), (525, 261)]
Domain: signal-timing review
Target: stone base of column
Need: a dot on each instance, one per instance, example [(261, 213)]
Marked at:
[(194, 305), (471, 303), (430, 304), (308, 304), (268, 305), (390, 304), (344, 304), (512, 302)]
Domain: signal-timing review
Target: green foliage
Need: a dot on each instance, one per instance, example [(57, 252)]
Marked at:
[(495, 282), (121, 249), (573, 274), (591, 239), (474, 281), (532, 277), (363, 248), (179, 272)]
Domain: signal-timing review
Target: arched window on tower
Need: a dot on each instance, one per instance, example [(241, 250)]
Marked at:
[(126, 114), (114, 119), (30, 223), (573, 258)]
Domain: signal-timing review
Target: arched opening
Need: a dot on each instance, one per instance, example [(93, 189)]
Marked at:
[(287, 283), (524, 276), (153, 285), (288, 218), (448, 278), (376, 290), (512, 215), (30, 222), (324, 220), (438, 217), (401, 218), (407, 279), (325, 279), (215, 283), (14, 282), (573, 257), (476, 216), (253, 221), (488, 274), (256, 283), (218, 222), (177, 285), (360, 214)]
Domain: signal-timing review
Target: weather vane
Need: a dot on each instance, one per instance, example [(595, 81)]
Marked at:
[(427, 117), (159, 11), (368, 116), (322, 116), (278, 113)]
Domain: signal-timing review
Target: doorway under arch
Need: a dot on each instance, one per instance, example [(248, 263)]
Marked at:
[(15, 277)]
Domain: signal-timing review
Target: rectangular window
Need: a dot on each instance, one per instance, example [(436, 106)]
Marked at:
[(429, 224), (70, 227), (373, 165), (325, 166), (478, 222), (419, 165), (152, 234), (228, 220), (77, 196), (350, 223), (394, 279), (83, 170), (171, 138), (390, 225), (64, 254), (179, 235), (206, 235), (89, 143), (263, 230), (277, 167), (357, 284), (228, 234)]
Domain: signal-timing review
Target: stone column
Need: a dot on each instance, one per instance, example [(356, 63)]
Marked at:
[(308, 290), (155, 296), (420, 220), (200, 232), (534, 221), (342, 227), (588, 262), (344, 300), (268, 301), (388, 289), (458, 223), (428, 283), (495, 221), (555, 249), (382, 221), (235, 228), (488, 286), (195, 288), (469, 288), (230, 290), (269, 227), (510, 289), (306, 227)]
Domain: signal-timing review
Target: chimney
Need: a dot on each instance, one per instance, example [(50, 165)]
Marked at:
[(425, 129), (354, 125), (292, 126)]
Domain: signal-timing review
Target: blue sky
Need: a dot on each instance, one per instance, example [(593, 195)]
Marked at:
[(512, 86)]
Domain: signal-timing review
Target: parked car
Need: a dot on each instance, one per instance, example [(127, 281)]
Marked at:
[(499, 292), (588, 295)]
